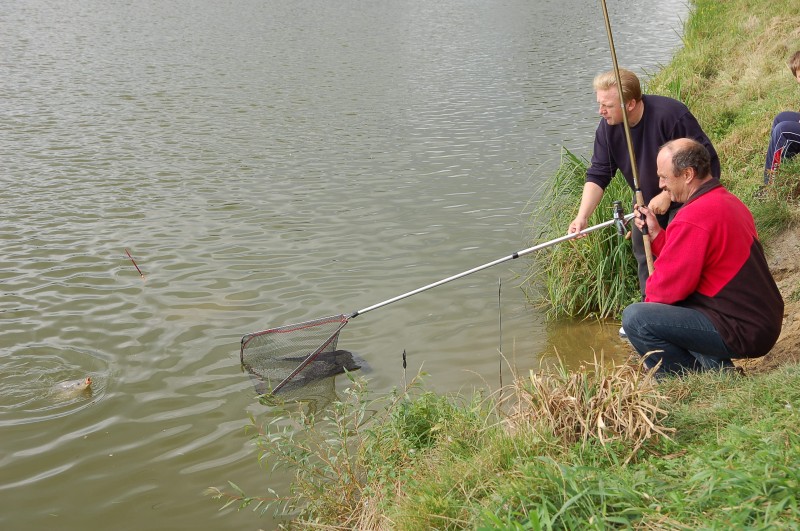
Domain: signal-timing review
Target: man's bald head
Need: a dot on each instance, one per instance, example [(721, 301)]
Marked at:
[(688, 153)]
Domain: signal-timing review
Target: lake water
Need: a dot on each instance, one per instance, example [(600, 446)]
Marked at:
[(266, 162)]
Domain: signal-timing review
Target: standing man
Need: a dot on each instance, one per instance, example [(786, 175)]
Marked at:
[(653, 121), (711, 297)]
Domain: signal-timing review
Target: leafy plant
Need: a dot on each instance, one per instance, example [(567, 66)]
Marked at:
[(324, 451)]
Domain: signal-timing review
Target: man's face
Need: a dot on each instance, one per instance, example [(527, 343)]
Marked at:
[(609, 107), (667, 180)]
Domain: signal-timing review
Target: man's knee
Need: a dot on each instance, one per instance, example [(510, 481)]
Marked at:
[(632, 316), (786, 130), (785, 117)]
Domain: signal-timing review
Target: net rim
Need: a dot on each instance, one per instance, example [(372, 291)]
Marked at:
[(293, 327)]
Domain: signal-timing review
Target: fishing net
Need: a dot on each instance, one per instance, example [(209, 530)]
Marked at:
[(276, 356)]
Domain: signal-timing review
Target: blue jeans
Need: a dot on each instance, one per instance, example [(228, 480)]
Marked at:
[(684, 340)]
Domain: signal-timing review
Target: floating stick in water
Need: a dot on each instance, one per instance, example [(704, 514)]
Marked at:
[(405, 383), (134, 264)]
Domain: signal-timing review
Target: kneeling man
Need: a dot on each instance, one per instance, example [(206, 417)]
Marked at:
[(711, 297)]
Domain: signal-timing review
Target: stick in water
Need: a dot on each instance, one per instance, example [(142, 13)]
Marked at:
[(405, 383), (500, 319), (134, 264)]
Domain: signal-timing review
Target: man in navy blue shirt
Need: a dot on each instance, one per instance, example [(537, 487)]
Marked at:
[(653, 121)]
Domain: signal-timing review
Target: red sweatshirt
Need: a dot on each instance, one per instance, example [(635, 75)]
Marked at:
[(710, 259)]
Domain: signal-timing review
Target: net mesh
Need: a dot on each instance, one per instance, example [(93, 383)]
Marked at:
[(275, 355)]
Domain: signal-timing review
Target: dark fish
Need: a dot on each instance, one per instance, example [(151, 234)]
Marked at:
[(325, 365)]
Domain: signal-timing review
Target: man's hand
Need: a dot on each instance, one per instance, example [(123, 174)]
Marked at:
[(660, 203), (577, 225), (645, 215), (592, 194)]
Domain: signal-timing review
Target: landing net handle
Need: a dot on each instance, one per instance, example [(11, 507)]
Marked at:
[(260, 349)]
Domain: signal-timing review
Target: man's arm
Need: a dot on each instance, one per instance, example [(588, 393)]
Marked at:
[(660, 204), (681, 258), (592, 194)]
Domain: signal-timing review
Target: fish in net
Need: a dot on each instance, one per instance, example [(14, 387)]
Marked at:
[(292, 356)]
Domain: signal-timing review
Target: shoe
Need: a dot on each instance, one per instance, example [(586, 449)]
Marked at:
[(622, 333)]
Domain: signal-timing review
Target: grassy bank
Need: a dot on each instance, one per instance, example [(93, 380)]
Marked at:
[(603, 446), (591, 449)]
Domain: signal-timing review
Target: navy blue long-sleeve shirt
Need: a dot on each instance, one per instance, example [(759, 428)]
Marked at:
[(664, 119)]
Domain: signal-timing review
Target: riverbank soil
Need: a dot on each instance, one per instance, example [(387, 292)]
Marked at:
[(784, 260)]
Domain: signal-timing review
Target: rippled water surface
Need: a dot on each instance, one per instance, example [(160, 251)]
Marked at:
[(264, 162)]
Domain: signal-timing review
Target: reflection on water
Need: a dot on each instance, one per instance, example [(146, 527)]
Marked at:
[(264, 163), (574, 342)]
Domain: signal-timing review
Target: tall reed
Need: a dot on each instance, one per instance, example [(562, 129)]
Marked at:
[(601, 400), (591, 276)]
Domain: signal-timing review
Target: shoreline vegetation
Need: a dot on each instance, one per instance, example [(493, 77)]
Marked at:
[(604, 445)]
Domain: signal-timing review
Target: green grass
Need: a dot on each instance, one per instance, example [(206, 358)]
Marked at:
[(593, 276), (731, 460)]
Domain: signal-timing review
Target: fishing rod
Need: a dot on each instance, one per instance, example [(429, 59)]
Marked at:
[(637, 190)]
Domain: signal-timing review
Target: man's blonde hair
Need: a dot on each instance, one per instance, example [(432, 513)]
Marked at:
[(631, 88)]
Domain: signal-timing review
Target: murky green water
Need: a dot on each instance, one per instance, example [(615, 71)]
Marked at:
[(264, 163)]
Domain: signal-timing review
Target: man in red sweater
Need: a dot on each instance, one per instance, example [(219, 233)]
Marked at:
[(711, 296)]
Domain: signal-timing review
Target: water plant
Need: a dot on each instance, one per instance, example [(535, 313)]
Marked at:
[(592, 276)]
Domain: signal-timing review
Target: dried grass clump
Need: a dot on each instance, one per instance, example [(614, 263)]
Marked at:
[(601, 400)]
